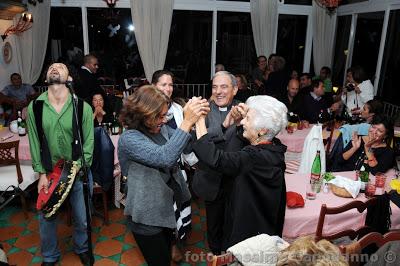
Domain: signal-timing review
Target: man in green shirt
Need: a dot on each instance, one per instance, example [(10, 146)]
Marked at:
[(57, 127)]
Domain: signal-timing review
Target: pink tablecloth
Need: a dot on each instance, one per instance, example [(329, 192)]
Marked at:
[(295, 141), (303, 221), (23, 150)]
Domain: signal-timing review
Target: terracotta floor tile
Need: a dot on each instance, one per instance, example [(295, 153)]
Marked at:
[(20, 258), (116, 215), (194, 255), (70, 259), (10, 232), (113, 230), (33, 225), (129, 239), (195, 219), (108, 248), (132, 257), (106, 262), (195, 236), (28, 241), (19, 217), (97, 221), (202, 212)]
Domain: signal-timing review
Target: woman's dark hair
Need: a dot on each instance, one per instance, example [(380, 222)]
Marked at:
[(142, 108), (157, 75), (387, 123), (107, 108), (359, 74), (375, 106)]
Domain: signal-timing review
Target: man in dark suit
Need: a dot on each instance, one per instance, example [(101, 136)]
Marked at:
[(315, 106), (208, 183), (87, 83)]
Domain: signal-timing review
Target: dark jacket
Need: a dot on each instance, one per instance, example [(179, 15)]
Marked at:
[(86, 85), (258, 200), (311, 108), (207, 182), (294, 106)]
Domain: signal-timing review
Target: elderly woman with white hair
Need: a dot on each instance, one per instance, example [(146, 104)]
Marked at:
[(257, 204)]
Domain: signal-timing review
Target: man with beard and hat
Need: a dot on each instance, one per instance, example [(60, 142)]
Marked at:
[(56, 107)]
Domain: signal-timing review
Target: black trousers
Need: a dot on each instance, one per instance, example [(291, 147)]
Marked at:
[(156, 249), (217, 224)]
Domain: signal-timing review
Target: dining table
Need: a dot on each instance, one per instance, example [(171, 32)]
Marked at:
[(303, 221)]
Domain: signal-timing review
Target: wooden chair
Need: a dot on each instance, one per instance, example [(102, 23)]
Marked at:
[(372, 238), (359, 205), (98, 190), (13, 175), (221, 260)]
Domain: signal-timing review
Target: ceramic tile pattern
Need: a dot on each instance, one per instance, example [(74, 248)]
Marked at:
[(112, 244)]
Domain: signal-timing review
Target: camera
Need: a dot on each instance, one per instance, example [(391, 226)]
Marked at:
[(350, 87)]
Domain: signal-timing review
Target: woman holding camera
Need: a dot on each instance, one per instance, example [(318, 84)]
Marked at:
[(358, 90)]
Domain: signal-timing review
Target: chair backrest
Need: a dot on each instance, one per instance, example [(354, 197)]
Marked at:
[(359, 205), (10, 157), (369, 239), (220, 260)]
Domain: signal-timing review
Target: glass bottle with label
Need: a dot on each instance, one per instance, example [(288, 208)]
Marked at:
[(315, 178), (115, 126)]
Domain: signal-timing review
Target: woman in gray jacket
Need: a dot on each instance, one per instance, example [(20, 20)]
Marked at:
[(148, 152)]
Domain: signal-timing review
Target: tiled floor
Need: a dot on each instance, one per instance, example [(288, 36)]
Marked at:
[(112, 244)]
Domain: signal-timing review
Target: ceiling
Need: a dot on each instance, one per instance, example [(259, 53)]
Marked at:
[(9, 8)]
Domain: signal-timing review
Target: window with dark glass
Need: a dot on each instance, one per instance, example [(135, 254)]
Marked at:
[(291, 40), (235, 44), (391, 60), (367, 42), (189, 46), (65, 41), (112, 40), (341, 49)]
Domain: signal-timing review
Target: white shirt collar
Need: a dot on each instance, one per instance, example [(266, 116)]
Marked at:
[(315, 96), (83, 67)]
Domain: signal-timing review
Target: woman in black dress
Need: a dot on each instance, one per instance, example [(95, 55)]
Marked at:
[(257, 204)]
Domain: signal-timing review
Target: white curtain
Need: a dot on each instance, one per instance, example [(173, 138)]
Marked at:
[(323, 37), (31, 45), (264, 21), (152, 22)]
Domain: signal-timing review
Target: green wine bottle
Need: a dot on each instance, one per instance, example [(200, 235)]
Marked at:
[(315, 178)]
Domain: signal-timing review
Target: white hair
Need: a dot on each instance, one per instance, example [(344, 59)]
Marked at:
[(271, 114)]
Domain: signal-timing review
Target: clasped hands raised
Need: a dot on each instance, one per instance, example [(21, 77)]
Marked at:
[(195, 108), (235, 115)]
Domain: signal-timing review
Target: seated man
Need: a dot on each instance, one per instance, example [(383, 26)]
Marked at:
[(292, 99), (314, 105), (17, 95)]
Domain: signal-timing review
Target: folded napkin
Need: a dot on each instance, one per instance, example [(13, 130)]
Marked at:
[(353, 187), (260, 250), (294, 200)]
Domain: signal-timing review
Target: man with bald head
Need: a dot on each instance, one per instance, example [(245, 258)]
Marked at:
[(51, 138), (292, 98), (87, 84)]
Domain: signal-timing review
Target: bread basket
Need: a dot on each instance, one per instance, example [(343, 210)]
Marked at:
[(339, 191)]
